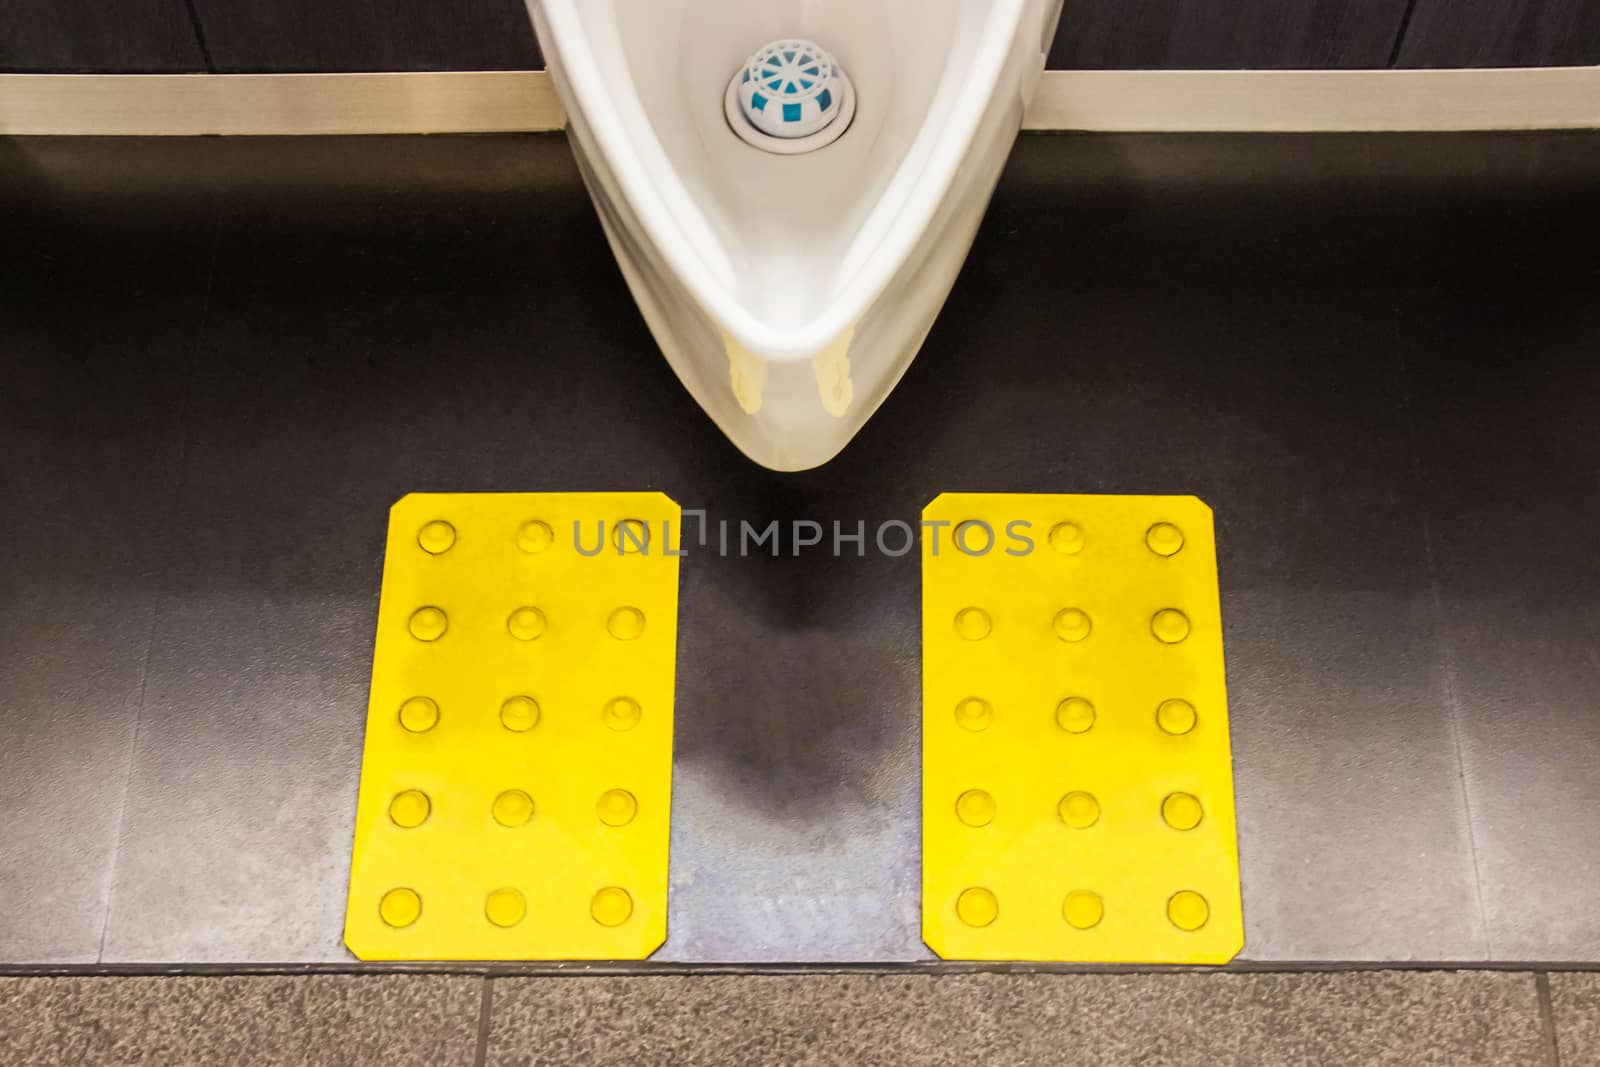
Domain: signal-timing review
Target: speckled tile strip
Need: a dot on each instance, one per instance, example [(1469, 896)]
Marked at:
[(1371, 1018), (1575, 1003), (266, 1020)]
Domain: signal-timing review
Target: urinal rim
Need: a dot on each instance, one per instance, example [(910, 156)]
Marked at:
[(946, 141)]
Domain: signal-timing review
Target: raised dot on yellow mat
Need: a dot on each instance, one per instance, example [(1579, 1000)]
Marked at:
[(512, 808), (974, 714), (399, 908), (977, 906), (1083, 909), (409, 808), (535, 536), (1072, 625), (616, 807), (973, 537), (1164, 539), (1067, 538), (1170, 626), (972, 624), (1181, 811), (1188, 910), (428, 623), (519, 713), (975, 808), (1079, 810), (622, 713), (419, 714), (1075, 715), (631, 536), (436, 537), (611, 906), (526, 624), (625, 624), (505, 907), (1176, 716)]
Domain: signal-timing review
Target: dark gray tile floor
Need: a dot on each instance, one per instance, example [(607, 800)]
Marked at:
[(226, 358), (1513, 532), (104, 291), (1415, 1019)]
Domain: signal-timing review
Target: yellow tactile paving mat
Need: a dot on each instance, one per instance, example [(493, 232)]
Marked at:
[(1077, 779), (516, 782)]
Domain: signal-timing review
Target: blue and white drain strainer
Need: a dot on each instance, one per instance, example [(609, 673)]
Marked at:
[(792, 92), (790, 89)]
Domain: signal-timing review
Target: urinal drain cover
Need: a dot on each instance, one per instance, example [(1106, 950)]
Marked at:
[(792, 92)]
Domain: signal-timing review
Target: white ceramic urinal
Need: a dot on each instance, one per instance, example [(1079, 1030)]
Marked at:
[(790, 280)]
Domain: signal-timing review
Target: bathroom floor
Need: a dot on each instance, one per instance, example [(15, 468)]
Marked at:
[(1374, 356)]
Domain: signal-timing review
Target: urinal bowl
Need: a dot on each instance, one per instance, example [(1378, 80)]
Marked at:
[(791, 292)]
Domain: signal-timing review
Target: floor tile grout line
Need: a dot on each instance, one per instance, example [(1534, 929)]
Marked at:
[(1547, 1017), (485, 1008), (1447, 652), (939, 969), (1453, 718), (127, 780), (174, 491)]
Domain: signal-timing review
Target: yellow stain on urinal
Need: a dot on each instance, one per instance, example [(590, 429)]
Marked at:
[(746, 374), (832, 366)]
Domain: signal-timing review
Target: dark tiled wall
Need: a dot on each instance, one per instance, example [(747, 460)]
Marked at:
[(1502, 33), (1200, 34), (359, 35), (68, 36), (311, 35)]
